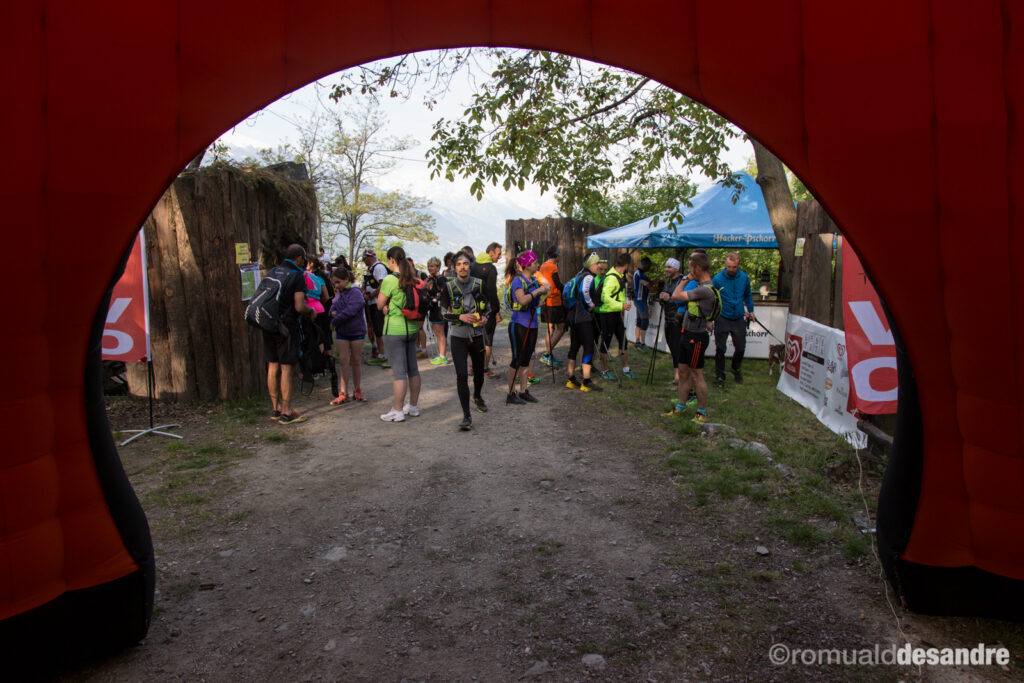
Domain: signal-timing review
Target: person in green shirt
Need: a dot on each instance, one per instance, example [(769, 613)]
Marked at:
[(400, 336), (609, 317)]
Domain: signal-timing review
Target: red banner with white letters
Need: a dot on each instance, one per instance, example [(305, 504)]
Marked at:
[(126, 332), (871, 348)]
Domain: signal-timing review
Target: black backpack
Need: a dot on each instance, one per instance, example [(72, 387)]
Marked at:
[(265, 307)]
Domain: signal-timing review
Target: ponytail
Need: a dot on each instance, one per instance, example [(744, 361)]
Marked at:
[(406, 273)]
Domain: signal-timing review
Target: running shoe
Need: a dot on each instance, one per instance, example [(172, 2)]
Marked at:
[(275, 415), (700, 418), (589, 386), (342, 398), (629, 373), (439, 360), (677, 411), (385, 365), (691, 402), (572, 383), (466, 424), (527, 396), (411, 410), (640, 347), (393, 416), (481, 407), (558, 363), (546, 359), (490, 374), (291, 418), (358, 396), (514, 400), (533, 380), (738, 376), (609, 376), (376, 360), (421, 353)]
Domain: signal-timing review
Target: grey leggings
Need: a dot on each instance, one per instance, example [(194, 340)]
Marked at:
[(401, 352)]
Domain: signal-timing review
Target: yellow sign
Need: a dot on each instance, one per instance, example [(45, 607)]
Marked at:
[(242, 254)]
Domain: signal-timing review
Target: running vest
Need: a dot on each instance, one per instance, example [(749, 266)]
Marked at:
[(476, 290)]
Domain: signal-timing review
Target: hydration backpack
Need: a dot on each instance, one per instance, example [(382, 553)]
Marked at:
[(571, 295), (265, 306), (693, 307), (417, 301), (510, 301)]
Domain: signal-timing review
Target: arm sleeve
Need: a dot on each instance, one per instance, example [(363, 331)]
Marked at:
[(747, 296), (587, 283), (557, 282)]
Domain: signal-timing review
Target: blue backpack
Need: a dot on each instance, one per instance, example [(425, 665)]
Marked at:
[(571, 295)]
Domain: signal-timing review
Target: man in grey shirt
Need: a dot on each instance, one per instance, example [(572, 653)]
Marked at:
[(467, 308), (700, 302)]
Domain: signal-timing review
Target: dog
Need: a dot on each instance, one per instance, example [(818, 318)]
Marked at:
[(776, 357)]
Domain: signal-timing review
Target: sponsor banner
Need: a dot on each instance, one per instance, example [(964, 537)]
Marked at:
[(758, 341), (126, 331), (870, 343), (815, 376)]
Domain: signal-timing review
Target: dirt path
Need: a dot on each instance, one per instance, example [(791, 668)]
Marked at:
[(546, 542)]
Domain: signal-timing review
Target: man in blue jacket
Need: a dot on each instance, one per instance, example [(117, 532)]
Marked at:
[(734, 285)]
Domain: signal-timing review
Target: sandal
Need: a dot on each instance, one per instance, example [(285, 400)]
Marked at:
[(342, 398)]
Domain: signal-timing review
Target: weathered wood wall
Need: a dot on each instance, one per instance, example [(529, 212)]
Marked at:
[(540, 233), (202, 347)]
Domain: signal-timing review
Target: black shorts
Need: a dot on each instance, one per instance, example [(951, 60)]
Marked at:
[(692, 348), (553, 315), (281, 348), (523, 344), (611, 325), (376, 319)]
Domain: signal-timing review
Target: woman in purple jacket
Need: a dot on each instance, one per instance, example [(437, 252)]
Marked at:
[(349, 325)]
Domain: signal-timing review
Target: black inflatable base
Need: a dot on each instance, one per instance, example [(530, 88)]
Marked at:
[(76, 627), (960, 592)]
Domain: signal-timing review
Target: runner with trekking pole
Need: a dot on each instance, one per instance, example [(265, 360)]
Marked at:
[(612, 304), (524, 296), (580, 306)]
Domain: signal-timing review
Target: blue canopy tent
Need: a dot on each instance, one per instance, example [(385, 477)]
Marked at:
[(712, 222)]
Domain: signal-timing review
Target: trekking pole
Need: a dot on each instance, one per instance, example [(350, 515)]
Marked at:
[(654, 350), (551, 355), (601, 344)]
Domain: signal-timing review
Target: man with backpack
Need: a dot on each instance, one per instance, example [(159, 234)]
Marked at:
[(703, 305), (579, 298), (734, 285), (276, 308), (613, 302), (485, 270), (375, 274), (641, 287)]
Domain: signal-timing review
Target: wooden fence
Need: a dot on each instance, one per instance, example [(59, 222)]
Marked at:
[(540, 233), (202, 347)]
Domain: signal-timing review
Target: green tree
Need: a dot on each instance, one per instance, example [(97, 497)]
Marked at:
[(355, 214), (574, 127), (641, 200)]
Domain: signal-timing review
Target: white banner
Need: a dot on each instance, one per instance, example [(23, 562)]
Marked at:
[(758, 341), (815, 375)]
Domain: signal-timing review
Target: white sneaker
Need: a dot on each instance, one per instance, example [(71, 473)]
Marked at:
[(411, 410), (393, 416)]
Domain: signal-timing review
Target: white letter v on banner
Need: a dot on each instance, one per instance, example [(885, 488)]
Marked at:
[(874, 329)]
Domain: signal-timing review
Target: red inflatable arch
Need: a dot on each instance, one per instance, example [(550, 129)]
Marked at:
[(905, 118)]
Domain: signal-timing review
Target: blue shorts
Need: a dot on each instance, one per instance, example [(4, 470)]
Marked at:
[(351, 337)]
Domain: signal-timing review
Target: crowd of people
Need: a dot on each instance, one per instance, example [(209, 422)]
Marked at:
[(458, 300)]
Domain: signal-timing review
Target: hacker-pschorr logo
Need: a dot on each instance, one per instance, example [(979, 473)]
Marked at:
[(794, 349)]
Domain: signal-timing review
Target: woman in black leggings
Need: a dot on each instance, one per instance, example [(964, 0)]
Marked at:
[(467, 309)]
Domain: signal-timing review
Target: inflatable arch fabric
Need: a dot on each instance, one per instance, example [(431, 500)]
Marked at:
[(905, 119)]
